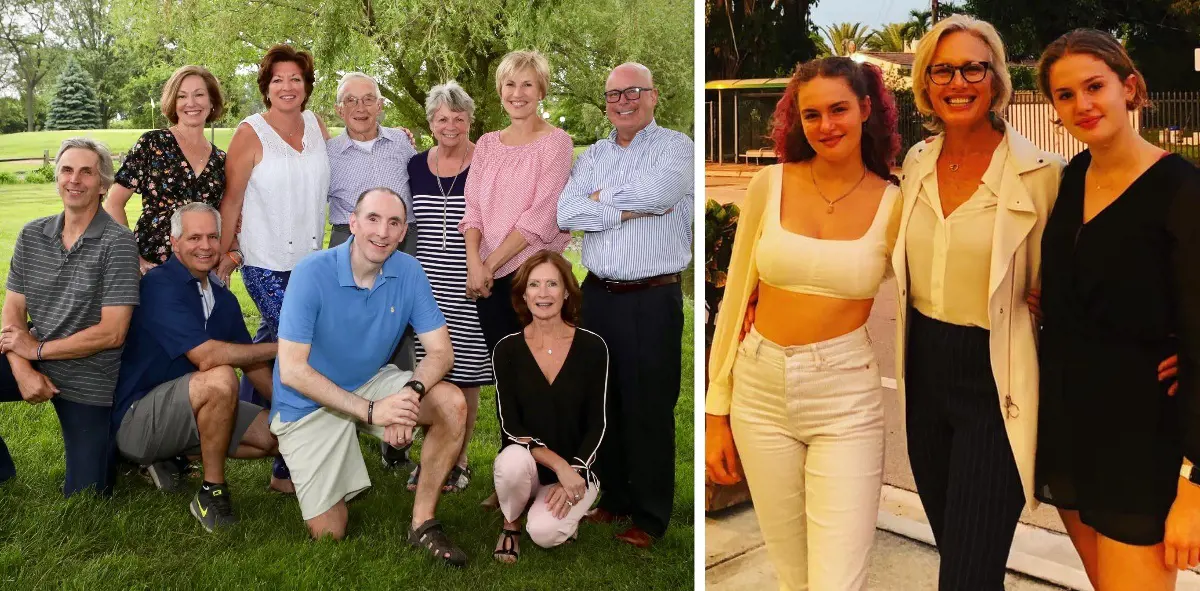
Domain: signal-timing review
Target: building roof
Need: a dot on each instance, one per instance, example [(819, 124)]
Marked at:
[(746, 84), (898, 58)]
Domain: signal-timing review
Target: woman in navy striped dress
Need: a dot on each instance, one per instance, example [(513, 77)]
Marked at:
[(437, 178)]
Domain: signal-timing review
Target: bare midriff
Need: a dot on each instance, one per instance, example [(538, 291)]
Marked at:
[(787, 318)]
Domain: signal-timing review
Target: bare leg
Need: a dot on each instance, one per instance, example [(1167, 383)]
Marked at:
[(257, 442), (1132, 568), (1085, 540), (330, 523), (471, 395), (213, 395), (444, 412)]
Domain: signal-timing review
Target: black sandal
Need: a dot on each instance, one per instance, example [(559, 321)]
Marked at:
[(508, 546), (458, 480), (431, 537)]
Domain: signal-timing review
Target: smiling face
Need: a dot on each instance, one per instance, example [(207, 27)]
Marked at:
[(832, 116), (449, 127), (78, 181), (199, 243), (1090, 98), (192, 102), (286, 89), (545, 292), (960, 103), (378, 225), (359, 118), (630, 116), (520, 94)]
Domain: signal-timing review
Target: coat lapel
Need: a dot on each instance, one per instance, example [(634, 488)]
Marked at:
[(1015, 215)]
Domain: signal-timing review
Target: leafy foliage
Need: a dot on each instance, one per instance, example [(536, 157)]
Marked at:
[(74, 105), (846, 38), (753, 38), (891, 38), (720, 224)]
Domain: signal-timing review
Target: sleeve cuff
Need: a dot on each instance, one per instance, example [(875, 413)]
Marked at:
[(532, 443), (718, 399)]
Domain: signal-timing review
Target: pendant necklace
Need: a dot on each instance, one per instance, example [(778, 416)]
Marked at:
[(830, 204), (444, 191)]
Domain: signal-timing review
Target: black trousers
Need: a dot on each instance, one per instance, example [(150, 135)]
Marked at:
[(497, 318), (958, 448), (636, 463)]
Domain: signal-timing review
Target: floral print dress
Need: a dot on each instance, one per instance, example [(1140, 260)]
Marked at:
[(156, 169)]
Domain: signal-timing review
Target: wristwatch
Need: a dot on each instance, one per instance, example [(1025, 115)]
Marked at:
[(1190, 472), (417, 387)]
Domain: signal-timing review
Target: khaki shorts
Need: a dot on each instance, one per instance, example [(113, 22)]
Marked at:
[(321, 449), (162, 424)]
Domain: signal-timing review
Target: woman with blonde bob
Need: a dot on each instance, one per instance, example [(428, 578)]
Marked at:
[(1120, 282), (976, 199), (793, 379)]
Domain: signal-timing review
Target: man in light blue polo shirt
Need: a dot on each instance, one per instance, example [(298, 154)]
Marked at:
[(345, 311)]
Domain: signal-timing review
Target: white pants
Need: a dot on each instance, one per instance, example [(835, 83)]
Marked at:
[(516, 477), (808, 425)]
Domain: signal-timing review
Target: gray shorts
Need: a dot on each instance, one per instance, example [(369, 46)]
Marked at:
[(162, 425)]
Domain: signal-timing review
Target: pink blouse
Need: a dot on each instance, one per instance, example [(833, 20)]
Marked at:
[(517, 188)]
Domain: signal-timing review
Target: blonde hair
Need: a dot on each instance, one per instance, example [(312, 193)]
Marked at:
[(520, 60), (171, 92), (984, 31)]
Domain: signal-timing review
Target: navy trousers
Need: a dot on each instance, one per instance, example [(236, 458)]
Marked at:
[(958, 448), (87, 437)]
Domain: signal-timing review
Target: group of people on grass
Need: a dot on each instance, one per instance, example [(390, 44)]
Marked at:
[(443, 273), (1048, 329)]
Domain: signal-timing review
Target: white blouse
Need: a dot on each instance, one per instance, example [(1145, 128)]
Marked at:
[(949, 257), (283, 214)]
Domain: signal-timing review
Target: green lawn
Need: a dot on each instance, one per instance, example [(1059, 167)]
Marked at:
[(144, 539)]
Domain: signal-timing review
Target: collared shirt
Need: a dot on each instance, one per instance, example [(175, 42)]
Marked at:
[(353, 169), (65, 291), (652, 174), (170, 322), (950, 257), (352, 331)]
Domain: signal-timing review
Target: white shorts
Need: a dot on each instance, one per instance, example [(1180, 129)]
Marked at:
[(321, 449)]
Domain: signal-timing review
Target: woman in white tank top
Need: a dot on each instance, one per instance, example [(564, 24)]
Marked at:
[(277, 181), (798, 389)]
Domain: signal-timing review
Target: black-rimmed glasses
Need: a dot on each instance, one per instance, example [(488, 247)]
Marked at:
[(632, 93), (943, 74)]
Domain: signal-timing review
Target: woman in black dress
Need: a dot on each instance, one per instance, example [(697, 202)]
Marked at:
[(174, 166), (551, 381), (1120, 281)]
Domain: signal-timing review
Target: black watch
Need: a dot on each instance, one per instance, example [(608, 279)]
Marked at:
[(417, 387), (1191, 473)]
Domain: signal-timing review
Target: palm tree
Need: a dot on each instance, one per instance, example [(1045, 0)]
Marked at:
[(890, 38), (846, 38), (918, 24)]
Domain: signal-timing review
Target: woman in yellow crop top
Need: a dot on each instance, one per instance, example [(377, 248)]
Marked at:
[(798, 390)]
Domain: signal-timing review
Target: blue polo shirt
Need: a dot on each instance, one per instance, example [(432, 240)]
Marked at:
[(352, 331), (169, 323)]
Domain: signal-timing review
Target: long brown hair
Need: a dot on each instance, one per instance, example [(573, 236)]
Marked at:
[(572, 297), (1101, 46)]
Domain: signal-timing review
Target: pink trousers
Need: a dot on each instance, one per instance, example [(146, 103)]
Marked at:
[(515, 473)]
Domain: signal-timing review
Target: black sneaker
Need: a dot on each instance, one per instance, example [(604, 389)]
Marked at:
[(168, 475), (213, 507), (394, 458)]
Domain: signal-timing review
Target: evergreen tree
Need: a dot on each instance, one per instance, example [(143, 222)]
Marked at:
[(74, 105)]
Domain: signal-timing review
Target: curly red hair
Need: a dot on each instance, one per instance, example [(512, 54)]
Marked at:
[(880, 140)]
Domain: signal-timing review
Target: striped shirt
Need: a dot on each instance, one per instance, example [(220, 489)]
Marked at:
[(515, 188), (651, 175), (65, 290), (353, 169)]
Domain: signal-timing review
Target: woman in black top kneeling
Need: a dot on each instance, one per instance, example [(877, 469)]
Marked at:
[(551, 381), (1120, 292)]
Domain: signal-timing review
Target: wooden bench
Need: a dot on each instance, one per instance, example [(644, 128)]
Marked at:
[(758, 155)]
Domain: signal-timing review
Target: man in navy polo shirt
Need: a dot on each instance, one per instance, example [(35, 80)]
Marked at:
[(345, 310), (177, 391)]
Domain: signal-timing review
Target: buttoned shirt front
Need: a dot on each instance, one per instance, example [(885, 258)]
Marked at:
[(652, 175), (353, 170)]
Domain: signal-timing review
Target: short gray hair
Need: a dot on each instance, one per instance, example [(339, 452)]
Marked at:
[(453, 97), (101, 151), (341, 87), (177, 217)]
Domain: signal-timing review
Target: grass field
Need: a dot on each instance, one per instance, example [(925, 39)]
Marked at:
[(144, 539)]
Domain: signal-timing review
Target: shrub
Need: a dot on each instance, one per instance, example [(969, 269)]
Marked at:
[(40, 175), (8, 178)]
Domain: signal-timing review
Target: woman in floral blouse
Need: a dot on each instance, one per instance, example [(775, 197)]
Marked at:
[(174, 166)]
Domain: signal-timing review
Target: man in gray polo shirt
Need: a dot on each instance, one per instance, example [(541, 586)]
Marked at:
[(72, 286)]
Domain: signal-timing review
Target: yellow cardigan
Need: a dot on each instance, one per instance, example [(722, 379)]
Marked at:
[(740, 282)]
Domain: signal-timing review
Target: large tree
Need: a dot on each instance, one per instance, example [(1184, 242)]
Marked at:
[(74, 105), (87, 28), (846, 38), (756, 38), (890, 38), (27, 38), (412, 45)]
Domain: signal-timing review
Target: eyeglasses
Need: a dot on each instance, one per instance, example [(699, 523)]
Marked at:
[(632, 93), (943, 74), (367, 101)]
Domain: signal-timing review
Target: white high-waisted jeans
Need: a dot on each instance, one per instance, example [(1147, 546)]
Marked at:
[(808, 424)]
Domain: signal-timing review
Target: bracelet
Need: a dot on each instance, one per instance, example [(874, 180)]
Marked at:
[(235, 260), (370, 412), (39, 350)]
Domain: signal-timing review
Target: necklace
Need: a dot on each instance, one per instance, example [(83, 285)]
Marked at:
[(829, 203), (280, 131), (437, 154)]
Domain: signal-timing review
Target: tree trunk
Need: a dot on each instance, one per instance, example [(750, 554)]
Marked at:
[(30, 100)]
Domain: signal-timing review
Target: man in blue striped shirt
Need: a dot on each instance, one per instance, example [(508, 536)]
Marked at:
[(632, 195)]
